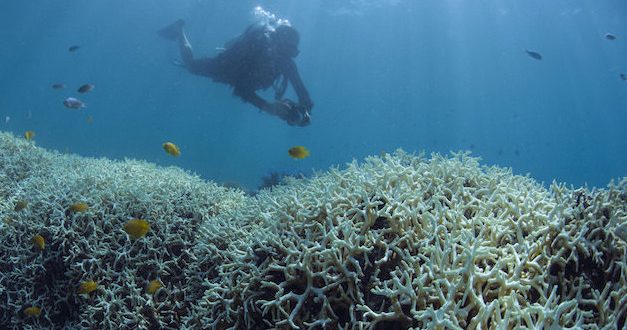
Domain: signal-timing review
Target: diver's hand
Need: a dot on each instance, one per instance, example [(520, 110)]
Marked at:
[(292, 113), (305, 120), (304, 111), (306, 106), (300, 113)]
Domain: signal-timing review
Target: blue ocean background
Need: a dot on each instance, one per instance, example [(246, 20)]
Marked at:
[(422, 75)]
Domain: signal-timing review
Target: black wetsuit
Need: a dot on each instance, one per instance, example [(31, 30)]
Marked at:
[(252, 62)]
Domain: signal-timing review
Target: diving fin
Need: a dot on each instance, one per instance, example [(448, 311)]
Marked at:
[(172, 31)]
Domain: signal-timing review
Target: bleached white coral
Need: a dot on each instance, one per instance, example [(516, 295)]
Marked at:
[(406, 242), (93, 245), (398, 241)]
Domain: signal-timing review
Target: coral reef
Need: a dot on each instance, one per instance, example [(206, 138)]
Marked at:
[(93, 246), (399, 241), (274, 178)]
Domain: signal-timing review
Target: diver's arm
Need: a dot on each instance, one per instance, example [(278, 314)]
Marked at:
[(251, 97), (299, 87), (278, 108)]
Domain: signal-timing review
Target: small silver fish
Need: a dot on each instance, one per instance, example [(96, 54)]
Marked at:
[(74, 103), (58, 86), (534, 55), (623, 76), (610, 36)]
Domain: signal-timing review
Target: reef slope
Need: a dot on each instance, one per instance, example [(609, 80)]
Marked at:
[(397, 241)]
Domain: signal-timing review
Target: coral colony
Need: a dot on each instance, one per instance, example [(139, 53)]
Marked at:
[(395, 242)]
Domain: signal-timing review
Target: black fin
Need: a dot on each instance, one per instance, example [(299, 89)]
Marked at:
[(172, 31)]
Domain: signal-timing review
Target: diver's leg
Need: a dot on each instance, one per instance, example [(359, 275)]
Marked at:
[(204, 66), (186, 50), (175, 32)]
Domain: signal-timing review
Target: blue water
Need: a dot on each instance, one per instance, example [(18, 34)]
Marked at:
[(422, 75)]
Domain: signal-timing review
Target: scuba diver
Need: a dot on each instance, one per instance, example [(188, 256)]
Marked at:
[(260, 57)]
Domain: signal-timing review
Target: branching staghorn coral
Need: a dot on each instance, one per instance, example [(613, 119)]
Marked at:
[(405, 242), (92, 245), (398, 241)]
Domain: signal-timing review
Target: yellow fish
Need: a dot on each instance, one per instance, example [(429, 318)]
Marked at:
[(298, 152), (171, 148), (87, 287), (33, 311), (78, 207), (153, 286), (29, 135), (39, 242), (137, 228)]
